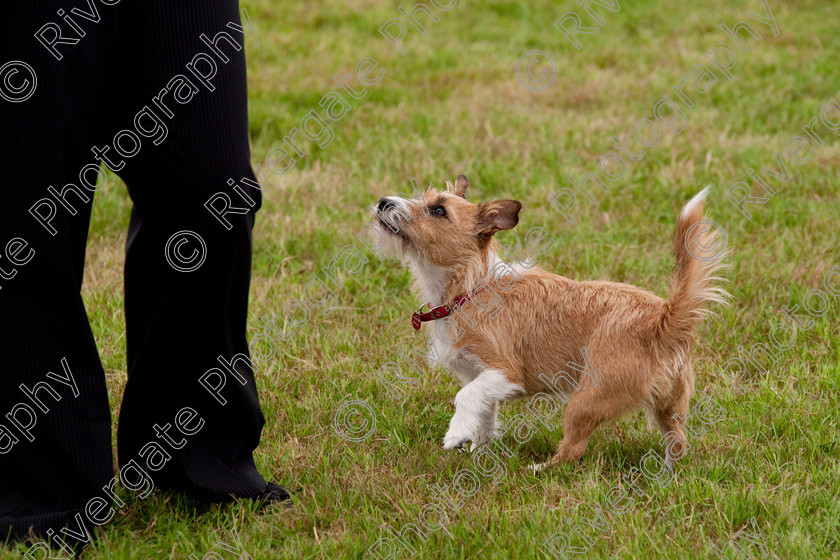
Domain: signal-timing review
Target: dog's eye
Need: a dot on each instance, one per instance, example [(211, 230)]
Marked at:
[(439, 211)]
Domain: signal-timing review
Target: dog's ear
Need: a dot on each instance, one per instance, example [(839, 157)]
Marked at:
[(460, 186), (497, 215)]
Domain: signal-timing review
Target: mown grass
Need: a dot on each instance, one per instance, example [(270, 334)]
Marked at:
[(452, 105)]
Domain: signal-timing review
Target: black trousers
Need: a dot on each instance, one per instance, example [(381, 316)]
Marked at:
[(55, 431)]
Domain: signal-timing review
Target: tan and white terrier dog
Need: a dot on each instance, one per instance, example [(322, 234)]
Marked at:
[(624, 348)]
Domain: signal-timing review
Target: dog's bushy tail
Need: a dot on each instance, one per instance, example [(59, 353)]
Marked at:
[(699, 248)]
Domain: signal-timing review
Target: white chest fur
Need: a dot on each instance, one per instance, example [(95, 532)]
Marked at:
[(464, 365)]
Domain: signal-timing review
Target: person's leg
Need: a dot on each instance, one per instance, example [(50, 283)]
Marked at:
[(50, 375), (182, 324)]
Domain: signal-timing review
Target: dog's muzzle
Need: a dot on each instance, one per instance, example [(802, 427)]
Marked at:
[(390, 214), (384, 205)]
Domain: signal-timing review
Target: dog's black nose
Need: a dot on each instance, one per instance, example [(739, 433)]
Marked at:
[(384, 204)]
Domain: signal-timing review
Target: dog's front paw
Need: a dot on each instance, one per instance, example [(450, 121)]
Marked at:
[(461, 431), (455, 441), (538, 467)]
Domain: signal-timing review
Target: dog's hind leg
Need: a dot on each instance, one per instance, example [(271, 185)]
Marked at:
[(587, 409), (671, 413), (580, 421), (475, 408)]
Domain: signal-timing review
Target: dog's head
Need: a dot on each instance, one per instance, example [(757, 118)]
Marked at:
[(443, 228)]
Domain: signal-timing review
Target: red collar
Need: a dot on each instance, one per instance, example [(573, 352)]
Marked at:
[(438, 312)]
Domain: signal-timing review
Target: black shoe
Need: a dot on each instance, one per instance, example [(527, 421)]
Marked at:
[(273, 493)]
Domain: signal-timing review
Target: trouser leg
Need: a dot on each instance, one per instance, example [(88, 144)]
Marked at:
[(183, 323), (50, 375)]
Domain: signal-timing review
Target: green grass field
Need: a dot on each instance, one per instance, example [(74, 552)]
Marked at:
[(452, 105)]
